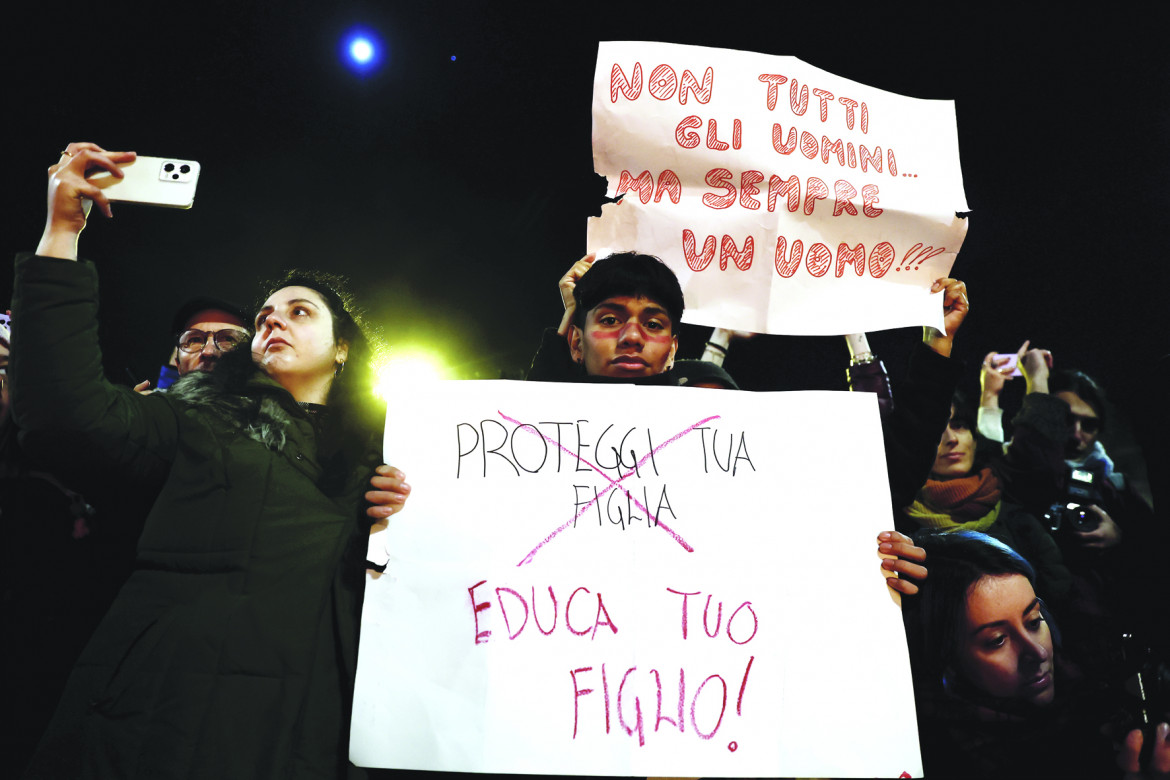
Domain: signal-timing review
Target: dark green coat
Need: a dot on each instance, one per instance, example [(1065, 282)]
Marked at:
[(230, 651)]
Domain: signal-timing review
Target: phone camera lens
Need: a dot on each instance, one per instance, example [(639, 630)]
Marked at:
[(169, 167), (174, 176), (184, 169)]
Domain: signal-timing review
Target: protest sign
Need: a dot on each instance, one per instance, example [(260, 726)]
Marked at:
[(635, 581), (786, 199)]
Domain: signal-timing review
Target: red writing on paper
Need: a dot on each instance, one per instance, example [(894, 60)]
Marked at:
[(699, 709), (515, 608)]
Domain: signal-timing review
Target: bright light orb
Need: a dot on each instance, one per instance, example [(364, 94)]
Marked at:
[(408, 369), (361, 50)]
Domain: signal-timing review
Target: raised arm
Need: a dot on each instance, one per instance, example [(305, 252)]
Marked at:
[(566, 286), (955, 308), (60, 398), (911, 432), (68, 186), (553, 362), (994, 374), (1032, 469)]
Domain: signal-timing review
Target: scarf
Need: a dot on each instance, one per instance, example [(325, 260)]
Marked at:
[(972, 503)]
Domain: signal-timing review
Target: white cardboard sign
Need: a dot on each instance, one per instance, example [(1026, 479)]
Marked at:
[(635, 581), (786, 199)]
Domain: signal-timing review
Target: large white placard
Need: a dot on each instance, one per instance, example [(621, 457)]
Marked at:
[(635, 581), (786, 199)]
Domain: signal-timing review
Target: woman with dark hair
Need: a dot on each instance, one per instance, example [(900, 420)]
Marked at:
[(230, 651), (994, 697), (966, 490)]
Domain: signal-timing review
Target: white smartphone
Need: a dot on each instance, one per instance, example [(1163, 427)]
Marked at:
[(153, 181)]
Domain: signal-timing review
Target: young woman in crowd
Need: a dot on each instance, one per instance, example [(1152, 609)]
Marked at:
[(971, 484), (995, 698), (230, 652)]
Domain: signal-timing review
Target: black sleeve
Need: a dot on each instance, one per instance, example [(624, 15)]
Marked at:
[(920, 413), (1032, 466), (61, 400)]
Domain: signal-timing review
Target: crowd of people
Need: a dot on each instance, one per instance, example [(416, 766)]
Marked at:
[(228, 578)]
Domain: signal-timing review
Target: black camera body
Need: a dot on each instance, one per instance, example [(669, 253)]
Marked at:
[(1082, 487), (1143, 696)]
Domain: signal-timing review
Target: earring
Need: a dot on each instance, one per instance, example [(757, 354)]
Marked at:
[(338, 367)]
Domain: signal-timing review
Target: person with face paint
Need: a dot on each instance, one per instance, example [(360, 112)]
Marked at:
[(230, 651), (619, 320), (995, 696), (621, 325)]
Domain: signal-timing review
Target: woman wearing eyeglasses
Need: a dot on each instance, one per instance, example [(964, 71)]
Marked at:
[(230, 651)]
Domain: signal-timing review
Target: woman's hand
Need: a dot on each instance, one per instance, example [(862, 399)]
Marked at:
[(566, 285), (1035, 366), (955, 308), (902, 559), (1129, 757), (997, 373), (388, 496), (67, 186)]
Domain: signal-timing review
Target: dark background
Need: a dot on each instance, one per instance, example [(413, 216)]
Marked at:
[(455, 192)]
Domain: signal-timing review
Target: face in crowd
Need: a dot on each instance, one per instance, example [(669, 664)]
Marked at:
[(956, 450), (1086, 424), (206, 336), (295, 342), (1005, 645), (625, 337)]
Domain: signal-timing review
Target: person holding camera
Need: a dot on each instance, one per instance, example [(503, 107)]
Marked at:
[(1103, 527), (997, 695)]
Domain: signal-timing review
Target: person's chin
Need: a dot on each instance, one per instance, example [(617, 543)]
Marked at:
[(1041, 690)]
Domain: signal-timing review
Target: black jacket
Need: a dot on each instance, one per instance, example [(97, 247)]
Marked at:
[(230, 651)]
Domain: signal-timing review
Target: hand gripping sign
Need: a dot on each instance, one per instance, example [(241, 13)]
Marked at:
[(635, 581), (786, 199)]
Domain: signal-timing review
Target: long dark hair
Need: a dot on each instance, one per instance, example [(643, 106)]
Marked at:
[(354, 414), (1080, 383), (934, 617)]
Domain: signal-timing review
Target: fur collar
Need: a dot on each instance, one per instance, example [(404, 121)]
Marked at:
[(240, 395)]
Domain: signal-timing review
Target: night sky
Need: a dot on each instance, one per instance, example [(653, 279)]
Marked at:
[(453, 185)]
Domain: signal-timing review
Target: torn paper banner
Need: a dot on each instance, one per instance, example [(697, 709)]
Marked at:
[(786, 199), (635, 581)]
